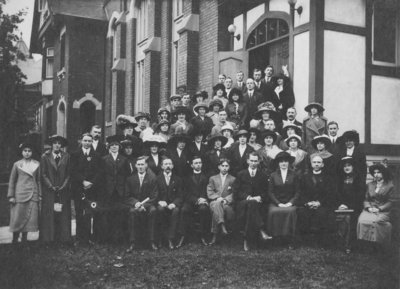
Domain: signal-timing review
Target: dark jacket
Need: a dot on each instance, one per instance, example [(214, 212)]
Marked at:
[(280, 192), (136, 193), (238, 162), (318, 188), (195, 187), (115, 174), (202, 125), (246, 186), (172, 193), (181, 163)]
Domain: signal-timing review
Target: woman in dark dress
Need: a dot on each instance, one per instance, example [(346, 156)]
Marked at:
[(236, 108), (284, 93), (350, 193), (155, 150), (284, 189), (321, 144)]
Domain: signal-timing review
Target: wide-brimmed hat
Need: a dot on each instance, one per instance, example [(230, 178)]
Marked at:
[(215, 102), (131, 140), (163, 109), (175, 96), (266, 107), (59, 138), (297, 129), (227, 126), (242, 132), (219, 86), (200, 105), (114, 139), (284, 156), (346, 160), (270, 133), (317, 105), (216, 137), (295, 136), (142, 114), (321, 138), (162, 122), (255, 130), (179, 137), (124, 121), (202, 94), (181, 109), (351, 135), (154, 139)]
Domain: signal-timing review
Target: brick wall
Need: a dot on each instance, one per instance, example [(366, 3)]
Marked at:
[(165, 57), (188, 60), (130, 64)]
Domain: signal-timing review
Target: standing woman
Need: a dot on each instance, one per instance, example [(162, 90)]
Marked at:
[(374, 222), (268, 152), (163, 130), (220, 93), (55, 218), (299, 165), (236, 108), (24, 194), (283, 190), (314, 124), (321, 144), (350, 194), (284, 92)]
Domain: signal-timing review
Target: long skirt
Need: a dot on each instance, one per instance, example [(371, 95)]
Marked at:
[(24, 217), (374, 227), (281, 221)]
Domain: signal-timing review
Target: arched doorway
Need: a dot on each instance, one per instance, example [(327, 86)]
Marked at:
[(87, 113), (268, 44), (61, 120)]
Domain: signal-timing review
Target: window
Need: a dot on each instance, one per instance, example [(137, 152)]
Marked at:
[(177, 8), (49, 62), (268, 31), (143, 21), (385, 32), (174, 67), (62, 52), (140, 84)]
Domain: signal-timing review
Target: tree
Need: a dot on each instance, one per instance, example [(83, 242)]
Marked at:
[(11, 80)]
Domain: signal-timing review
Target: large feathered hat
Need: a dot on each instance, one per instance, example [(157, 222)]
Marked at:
[(123, 121)]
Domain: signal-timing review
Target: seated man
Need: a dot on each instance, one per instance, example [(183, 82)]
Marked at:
[(195, 198), (250, 191), (318, 199), (169, 201), (219, 191), (142, 192)]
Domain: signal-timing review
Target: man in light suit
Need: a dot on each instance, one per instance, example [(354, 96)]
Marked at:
[(142, 193), (169, 201), (219, 191), (250, 191)]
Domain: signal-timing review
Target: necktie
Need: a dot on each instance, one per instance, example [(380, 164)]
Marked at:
[(141, 177), (252, 174), (167, 179), (57, 159), (218, 152)]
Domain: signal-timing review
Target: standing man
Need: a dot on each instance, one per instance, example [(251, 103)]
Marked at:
[(252, 98), (228, 85), (169, 201), (195, 199), (142, 193), (333, 128), (86, 173), (219, 191), (98, 146), (250, 191), (240, 81)]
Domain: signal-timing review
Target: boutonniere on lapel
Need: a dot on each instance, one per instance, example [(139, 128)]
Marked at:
[(229, 188), (89, 158)]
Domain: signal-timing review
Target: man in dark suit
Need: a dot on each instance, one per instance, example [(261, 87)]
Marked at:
[(99, 147), (333, 128), (291, 114), (86, 173), (240, 81), (250, 191), (169, 201), (142, 193), (252, 98), (238, 152), (195, 198), (116, 169)]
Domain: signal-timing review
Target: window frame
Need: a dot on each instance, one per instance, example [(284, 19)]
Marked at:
[(142, 29), (49, 59)]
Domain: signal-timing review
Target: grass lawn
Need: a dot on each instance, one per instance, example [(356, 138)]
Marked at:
[(195, 266)]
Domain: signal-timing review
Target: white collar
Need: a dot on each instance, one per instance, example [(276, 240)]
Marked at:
[(317, 173)]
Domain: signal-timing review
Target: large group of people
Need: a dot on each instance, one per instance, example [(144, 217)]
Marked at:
[(239, 162)]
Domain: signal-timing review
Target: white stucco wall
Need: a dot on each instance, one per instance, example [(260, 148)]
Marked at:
[(253, 14), (301, 72), (283, 6), (344, 80), (351, 12), (238, 22), (279, 5), (385, 107)]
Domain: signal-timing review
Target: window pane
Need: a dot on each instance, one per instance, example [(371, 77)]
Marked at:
[(49, 67), (384, 33)]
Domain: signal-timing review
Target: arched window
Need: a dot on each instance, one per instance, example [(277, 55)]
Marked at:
[(268, 31), (87, 115)]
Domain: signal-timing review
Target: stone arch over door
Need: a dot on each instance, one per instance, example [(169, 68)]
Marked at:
[(62, 117)]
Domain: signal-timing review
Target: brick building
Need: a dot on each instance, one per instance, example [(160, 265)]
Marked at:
[(344, 54)]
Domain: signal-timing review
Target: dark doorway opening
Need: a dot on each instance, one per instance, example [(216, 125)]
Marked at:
[(87, 116)]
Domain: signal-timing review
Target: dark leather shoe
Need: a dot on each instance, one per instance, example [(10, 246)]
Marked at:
[(246, 247), (204, 242), (181, 241), (265, 236), (171, 245), (154, 246), (131, 248)]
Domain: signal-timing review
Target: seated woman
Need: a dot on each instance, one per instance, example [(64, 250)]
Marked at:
[(299, 166), (284, 188), (236, 108), (321, 144), (220, 93), (268, 152), (350, 194), (374, 222)]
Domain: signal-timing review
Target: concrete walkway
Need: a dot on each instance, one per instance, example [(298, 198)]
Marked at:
[(6, 235)]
